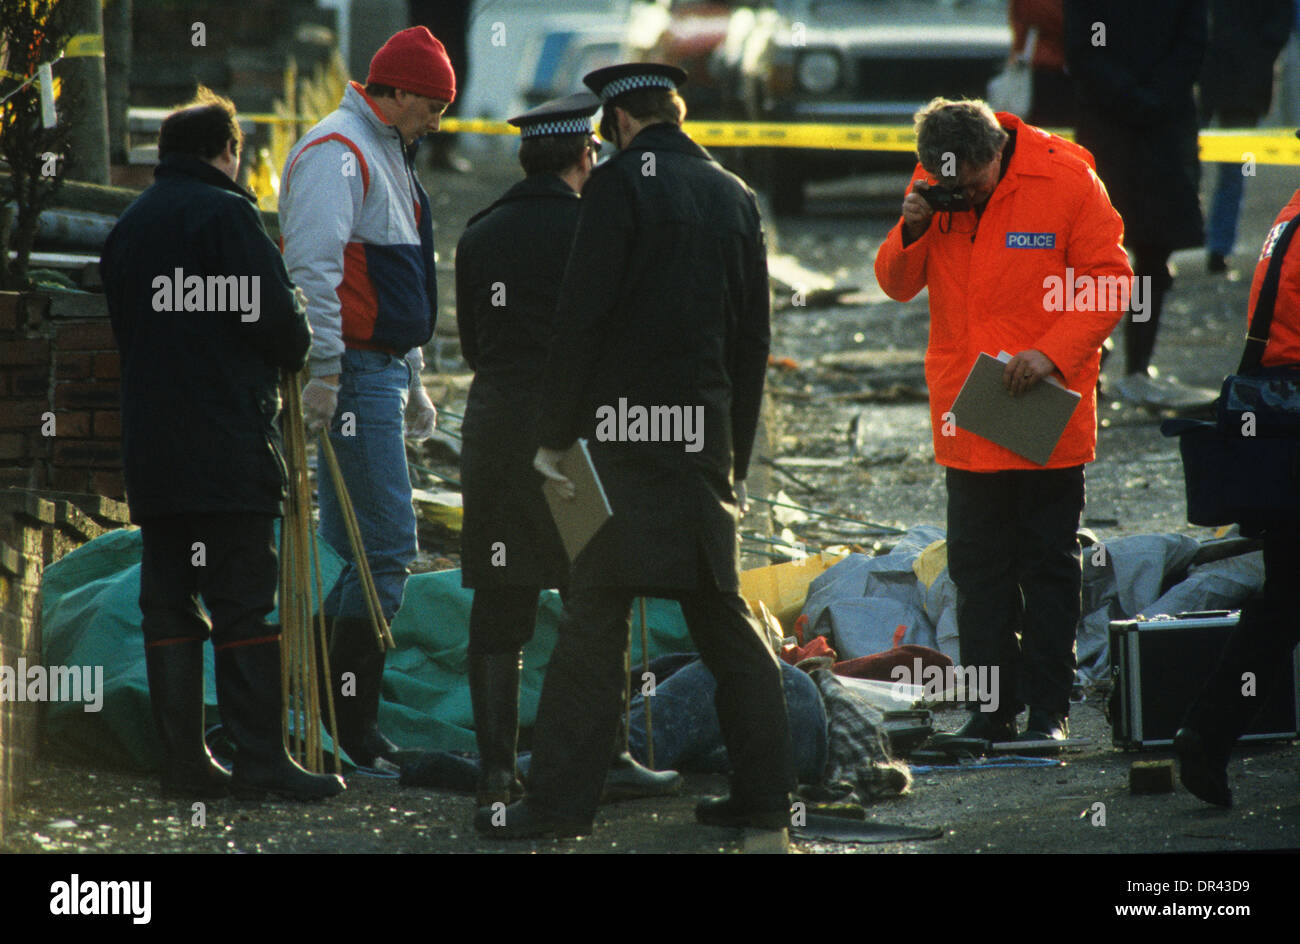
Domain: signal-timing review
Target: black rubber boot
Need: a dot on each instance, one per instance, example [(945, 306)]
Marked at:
[(735, 812), (494, 692), (354, 649), (628, 779), (175, 669), (248, 692)]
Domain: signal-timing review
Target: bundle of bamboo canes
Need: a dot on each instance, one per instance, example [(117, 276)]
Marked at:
[(303, 644), (303, 641)]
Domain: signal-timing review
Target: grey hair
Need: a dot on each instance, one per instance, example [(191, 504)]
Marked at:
[(967, 129)]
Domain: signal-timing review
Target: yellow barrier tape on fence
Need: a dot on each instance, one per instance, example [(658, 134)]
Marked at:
[(820, 136), (1235, 145), (85, 44), (1251, 145)]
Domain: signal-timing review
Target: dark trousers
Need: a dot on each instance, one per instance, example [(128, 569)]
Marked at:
[(1013, 553), (502, 619), (1261, 644), (229, 560), (583, 691), (1140, 336)]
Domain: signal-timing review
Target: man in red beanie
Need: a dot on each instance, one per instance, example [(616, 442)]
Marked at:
[(358, 239)]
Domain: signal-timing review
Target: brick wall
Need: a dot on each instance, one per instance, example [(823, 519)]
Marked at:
[(60, 419), (36, 529)]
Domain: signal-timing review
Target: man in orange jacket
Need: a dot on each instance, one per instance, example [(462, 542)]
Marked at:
[(1029, 261)]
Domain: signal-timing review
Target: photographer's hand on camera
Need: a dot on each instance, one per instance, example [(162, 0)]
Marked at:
[(917, 213)]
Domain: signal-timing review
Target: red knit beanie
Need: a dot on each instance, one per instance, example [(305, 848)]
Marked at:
[(414, 61)]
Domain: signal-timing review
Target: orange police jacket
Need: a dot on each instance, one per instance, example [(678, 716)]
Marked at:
[(1043, 266), (1284, 334)]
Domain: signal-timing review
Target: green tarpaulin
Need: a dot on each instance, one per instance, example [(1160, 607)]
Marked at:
[(91, 617)]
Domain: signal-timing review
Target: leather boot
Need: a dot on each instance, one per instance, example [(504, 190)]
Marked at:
[(983, 726), (353, 648), (1044, 725), (627, 779), (175, 669), (1222, 712), (1202, 769), (248, 692), (732, 812), (494, 692)]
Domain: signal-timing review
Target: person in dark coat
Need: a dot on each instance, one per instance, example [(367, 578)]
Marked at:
[(1134, 66), (205, 318), (658, 359), (1236, 92), (509, 264)]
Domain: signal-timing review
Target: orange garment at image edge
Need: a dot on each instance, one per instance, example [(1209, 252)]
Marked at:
[(1284, 334)]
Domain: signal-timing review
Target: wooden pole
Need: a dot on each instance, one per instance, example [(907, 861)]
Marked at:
[(382, 635), (649, 721)]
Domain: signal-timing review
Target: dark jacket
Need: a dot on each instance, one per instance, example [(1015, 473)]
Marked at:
[(665, 304), (509, 264), (1137, 114), (200, 393), (1245, 39)]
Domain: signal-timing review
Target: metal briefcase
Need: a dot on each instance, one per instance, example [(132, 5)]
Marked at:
[(1159, 666)]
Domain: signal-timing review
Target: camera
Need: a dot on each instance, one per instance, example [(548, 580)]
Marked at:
[(945, 199)]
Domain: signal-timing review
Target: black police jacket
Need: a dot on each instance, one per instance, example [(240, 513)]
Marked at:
[(203, 312), (665, 305), (509, 264)]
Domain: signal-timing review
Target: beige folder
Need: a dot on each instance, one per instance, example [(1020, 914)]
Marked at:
[(578, 518), (1030, 425)]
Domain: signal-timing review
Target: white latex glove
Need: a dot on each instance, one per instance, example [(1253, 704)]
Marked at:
[(547, 462), (421, 415), (742, 497), (320, 400)]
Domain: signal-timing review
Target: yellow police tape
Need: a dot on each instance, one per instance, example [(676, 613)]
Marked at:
[(85, 44), (1245, 146)]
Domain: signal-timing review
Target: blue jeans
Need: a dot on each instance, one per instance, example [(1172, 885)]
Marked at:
[(1225, 209), (367, 437)]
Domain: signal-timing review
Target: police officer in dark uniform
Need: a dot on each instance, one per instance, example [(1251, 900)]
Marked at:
[(509, 265), (664, 305)]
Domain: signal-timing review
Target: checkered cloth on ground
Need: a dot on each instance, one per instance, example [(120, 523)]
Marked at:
[(858, 751)]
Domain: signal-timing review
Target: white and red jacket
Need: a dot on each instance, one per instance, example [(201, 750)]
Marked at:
[(357, 234)]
